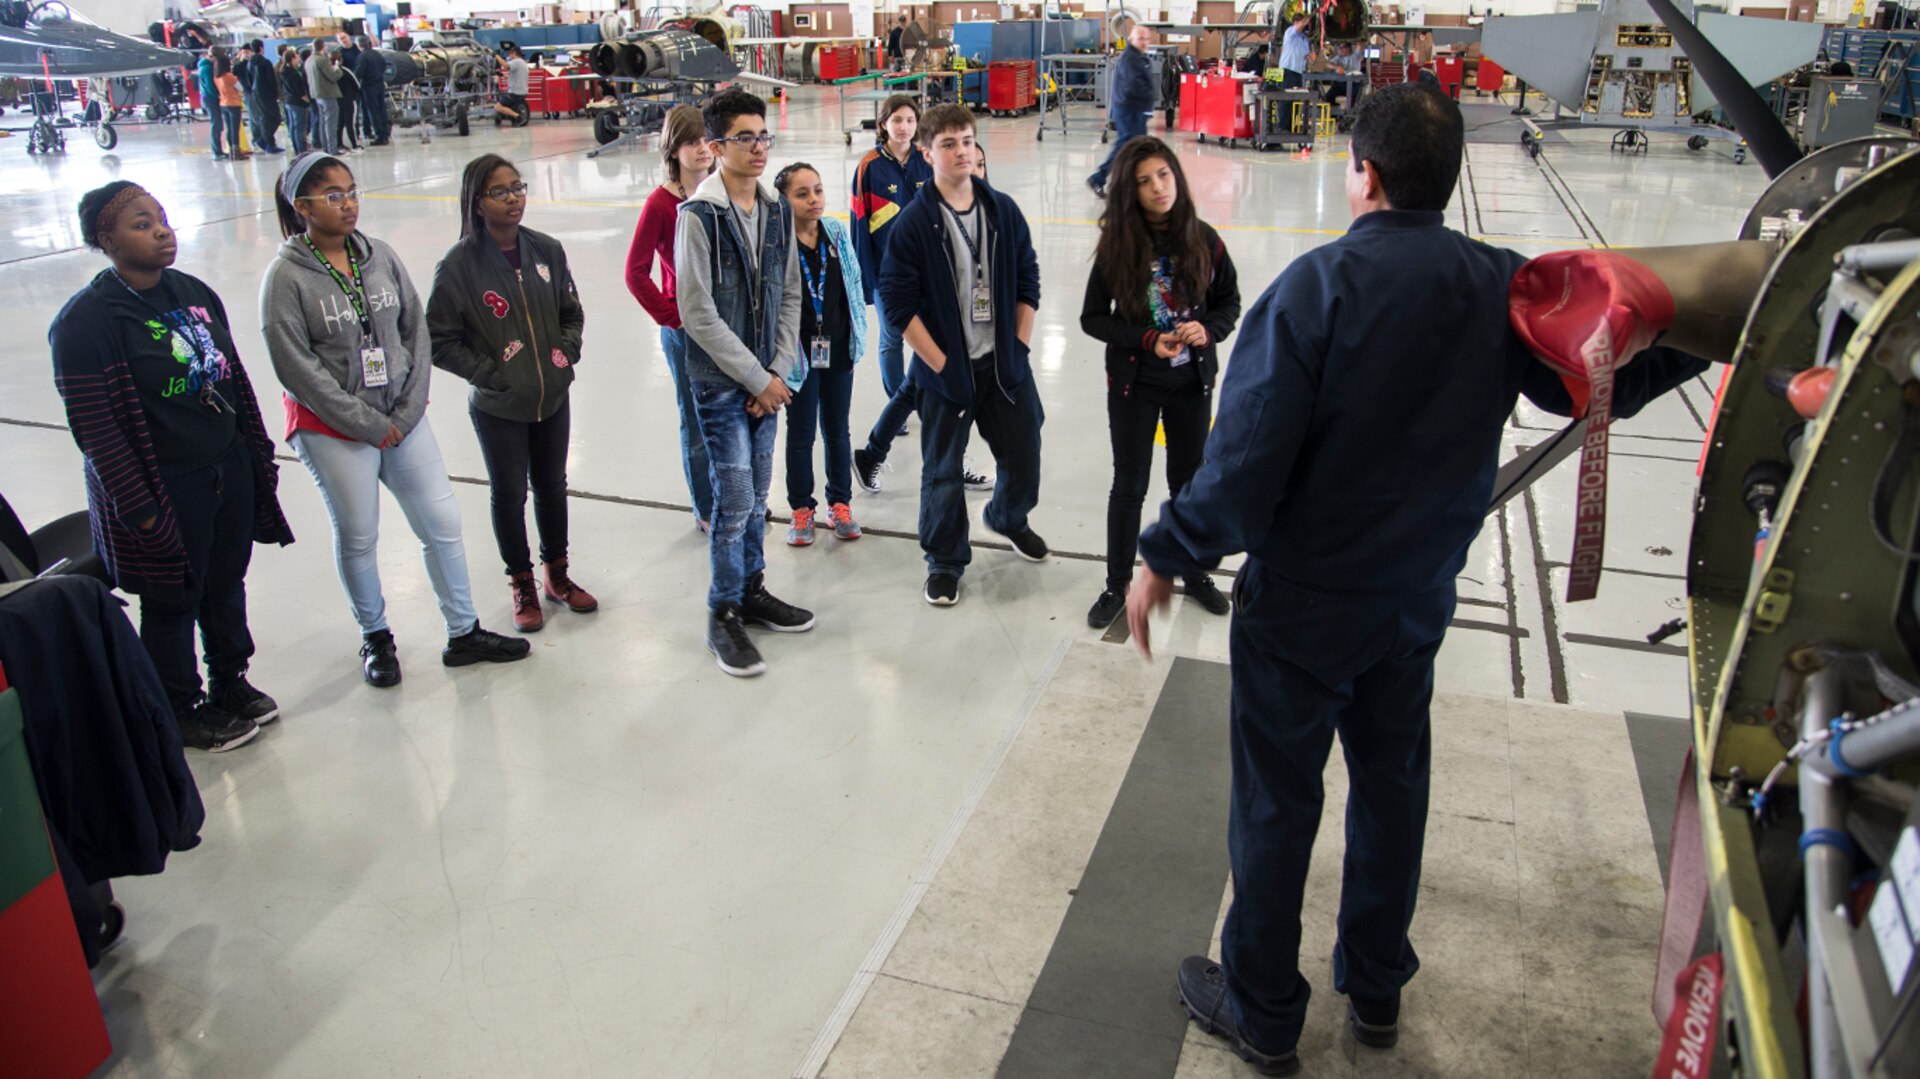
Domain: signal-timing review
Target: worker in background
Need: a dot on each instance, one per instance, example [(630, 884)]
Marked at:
[(371, 70), (1255, 62), (1131, 101), (1355, 473), (511, 107), (896, 52), (1295, 50), (1346, 61)]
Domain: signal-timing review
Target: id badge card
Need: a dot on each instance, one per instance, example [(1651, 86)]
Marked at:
[(373, 367), (982, 302), (821, 354)]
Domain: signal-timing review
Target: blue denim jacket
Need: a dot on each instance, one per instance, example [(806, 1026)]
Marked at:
[(726, 272)]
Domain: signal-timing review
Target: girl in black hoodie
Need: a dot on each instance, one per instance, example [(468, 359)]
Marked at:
[(1162, 295), (179, 467), (505, 316)]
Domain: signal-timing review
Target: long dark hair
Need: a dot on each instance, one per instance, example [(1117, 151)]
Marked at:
[(1125, 252), (473, 188), (291, 223)]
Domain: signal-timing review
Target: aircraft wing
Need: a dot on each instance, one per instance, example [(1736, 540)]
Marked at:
[(1208, 27), (1760, 49), (75, 50), (1442, 35), (1553, 53), (765, 80), (796, 40)]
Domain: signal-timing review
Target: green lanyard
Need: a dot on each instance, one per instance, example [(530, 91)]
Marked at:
[(356, 292)]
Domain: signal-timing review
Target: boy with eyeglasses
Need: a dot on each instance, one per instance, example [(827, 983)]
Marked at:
[(961, 283), (738, 275)]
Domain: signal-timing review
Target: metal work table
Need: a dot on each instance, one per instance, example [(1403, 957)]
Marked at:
[(1054, 68), (888, 86)]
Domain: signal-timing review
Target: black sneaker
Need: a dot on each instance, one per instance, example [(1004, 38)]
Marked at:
[(732, 650), (1099, 189), (380, 666), (759, 607), (943, 589), (1203, 990), (1203, 591), (866, 471), (1026, 543), (1375, 1024), (1106, 609), (975, 481), (205, 725), (241, 699), (483, 646)]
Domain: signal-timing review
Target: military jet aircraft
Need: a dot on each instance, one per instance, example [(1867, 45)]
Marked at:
[(48, 41), (1620, 66), (654, 70)]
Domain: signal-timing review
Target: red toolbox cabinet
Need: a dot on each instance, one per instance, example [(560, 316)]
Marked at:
[(1450, 70), (1189, 116), (1012, 86), (560, 95), (1489, 77), (839, 62), (1224, 113)]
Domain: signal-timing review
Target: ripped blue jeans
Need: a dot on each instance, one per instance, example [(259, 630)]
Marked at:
[(740, 468)]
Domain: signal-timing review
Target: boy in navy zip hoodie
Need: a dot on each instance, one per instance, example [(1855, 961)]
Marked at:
[(961, 284)]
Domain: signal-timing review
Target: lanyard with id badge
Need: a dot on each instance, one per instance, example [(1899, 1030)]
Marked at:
[(373, 358), (820, 349), (981, 307), (209, 393), (1165, 315)]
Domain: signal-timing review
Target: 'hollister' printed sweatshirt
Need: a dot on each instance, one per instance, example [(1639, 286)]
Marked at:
[(313, 337)]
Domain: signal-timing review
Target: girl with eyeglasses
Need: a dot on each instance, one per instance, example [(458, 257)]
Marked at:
[(505, 316), (348, 338), (833, 334), (179, 467), (688, 158)]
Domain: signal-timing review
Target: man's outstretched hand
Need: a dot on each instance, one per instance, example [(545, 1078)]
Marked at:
[(1150, 592)]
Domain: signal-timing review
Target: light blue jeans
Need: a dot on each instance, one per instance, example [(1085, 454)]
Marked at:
[(349, 475), (893, 364), (693, 448)]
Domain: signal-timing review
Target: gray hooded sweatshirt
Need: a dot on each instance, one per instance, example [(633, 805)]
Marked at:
[(313, 338)]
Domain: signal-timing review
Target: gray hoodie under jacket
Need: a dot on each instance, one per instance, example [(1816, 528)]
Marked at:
[(313, 338)]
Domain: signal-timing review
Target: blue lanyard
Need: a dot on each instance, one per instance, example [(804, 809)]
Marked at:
[(817, 287)]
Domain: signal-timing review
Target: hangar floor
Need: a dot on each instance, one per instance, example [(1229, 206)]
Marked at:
[(614, 860)]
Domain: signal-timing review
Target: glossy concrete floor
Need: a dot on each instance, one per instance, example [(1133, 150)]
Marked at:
[(613, 860)]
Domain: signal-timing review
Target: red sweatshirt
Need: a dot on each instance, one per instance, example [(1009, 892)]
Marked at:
[(654, 237)]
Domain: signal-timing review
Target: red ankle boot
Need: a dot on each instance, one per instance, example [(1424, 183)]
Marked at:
[(561, 588), (527, 617)]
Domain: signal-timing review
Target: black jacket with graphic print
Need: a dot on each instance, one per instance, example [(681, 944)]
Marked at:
[(514, 334)]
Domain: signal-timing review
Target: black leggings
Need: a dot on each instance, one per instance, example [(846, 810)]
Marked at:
[(1132, 418), (214, 506), (515, 451)]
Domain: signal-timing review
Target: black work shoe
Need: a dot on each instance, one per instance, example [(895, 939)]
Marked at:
[(1106, 609), (1203, 591), (205, 725), (241, 699), (759, 607), (732, 650), (943, 589), (1203, 989), (1099, 189), (380, 665), (866, 471), (1374, 1024), (483, 646), (1026, 543)]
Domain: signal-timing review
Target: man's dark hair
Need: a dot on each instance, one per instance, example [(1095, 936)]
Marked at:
[(257, 45), (1414, 135), (944, 118), (727, 106)]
